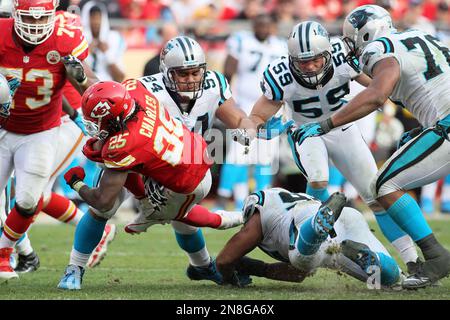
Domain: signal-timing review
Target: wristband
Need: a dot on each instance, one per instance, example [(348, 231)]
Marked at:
[(78, 185), (83, 83), (326, 125)]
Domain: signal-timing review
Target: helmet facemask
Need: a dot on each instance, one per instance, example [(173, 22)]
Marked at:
[(102, 128), (191, 90), (313, 78), (34, 33)]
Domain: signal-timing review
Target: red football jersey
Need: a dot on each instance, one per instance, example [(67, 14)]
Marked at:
[(37, 102), (158, 146)]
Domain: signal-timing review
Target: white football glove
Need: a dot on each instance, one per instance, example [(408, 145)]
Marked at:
[(242, 136)]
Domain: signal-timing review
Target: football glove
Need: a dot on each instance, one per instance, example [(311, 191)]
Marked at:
[(74, 69), (242, 136), (74, 178), (90, 152), (408, 136), (274, 127), (78, 119), (307, 130)]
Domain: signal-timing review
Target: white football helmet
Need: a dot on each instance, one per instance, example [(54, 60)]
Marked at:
[(309, 40), (365, 24), (182, 53)]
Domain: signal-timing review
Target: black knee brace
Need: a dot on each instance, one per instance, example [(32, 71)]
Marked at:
[(25, 213)]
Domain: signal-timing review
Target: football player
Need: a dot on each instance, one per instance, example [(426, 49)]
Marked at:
[(137, 134), (300, 231), (196, 96), (41, 54), (314, 81), (249, 52), (411, 68)]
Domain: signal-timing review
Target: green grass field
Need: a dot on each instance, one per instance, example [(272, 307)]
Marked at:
[(150, 266)]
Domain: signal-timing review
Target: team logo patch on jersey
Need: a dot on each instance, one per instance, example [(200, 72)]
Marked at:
[(53, 57), (100, 110)]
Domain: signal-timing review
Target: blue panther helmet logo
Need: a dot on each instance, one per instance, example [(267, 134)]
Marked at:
[(166, 50), (359, 18), (321, 31)]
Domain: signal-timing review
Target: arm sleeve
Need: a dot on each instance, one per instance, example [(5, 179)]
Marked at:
[(234, 45), (375, 51), (224, 87), (81, 49), (270, 87)]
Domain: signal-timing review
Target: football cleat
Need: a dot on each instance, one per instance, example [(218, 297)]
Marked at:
[(205, 273), (360, 254), (141, 223), (6, 271), (428, 273), (27, 263), (100, 251), (72, 278), (230, 219), (414, 267), (328, 214)]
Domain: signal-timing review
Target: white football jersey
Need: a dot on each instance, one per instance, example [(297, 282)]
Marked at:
[(216, 91), (309, 104), (253, 56), (424, 62), (99, 61), (278, 208)]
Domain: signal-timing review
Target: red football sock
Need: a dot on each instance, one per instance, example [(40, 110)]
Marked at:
[(60, 208), (16, 224), (135, 185), (201, 217)]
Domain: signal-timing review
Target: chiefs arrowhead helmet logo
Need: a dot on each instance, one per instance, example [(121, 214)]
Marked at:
[(100, 110)]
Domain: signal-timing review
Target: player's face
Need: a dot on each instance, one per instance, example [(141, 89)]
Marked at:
[(262, 29), (189, 79), (312, 66), (39, 21), (95, 22)]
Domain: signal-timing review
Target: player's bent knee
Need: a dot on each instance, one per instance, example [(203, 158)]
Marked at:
[(318, 184), (183, 228), (27, 203), (301, 262), (26, 212)]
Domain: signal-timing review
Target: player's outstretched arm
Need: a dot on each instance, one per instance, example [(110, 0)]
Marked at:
[(386, 74), (104, 196), (263, 110), (281, 271), (238, 246)]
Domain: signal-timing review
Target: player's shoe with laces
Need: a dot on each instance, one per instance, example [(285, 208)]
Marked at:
[(27, 263), (230, 219), (328, 214), (360, 254), (141, 223), (429, 272), (72, 278), (414, 266), (205, 273), (6, 271), (100, 251)]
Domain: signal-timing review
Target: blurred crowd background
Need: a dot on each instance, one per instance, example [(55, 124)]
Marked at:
[(128, 35)]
